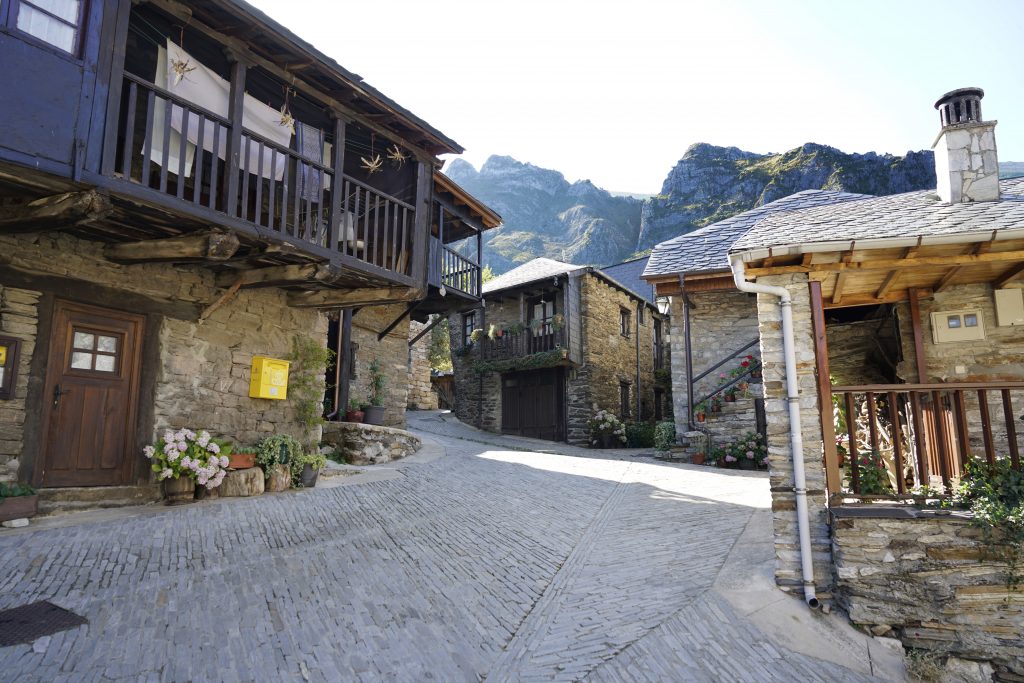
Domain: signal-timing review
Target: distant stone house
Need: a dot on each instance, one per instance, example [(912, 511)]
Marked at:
[(566, 341), (923, 292)]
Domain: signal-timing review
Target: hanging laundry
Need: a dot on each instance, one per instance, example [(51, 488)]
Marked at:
[(309, 142)]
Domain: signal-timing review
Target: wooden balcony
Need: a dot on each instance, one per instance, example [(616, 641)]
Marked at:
[(449, 269), (924, 433), (521, 344)]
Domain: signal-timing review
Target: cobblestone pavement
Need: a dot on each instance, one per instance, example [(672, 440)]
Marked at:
[(485, 564)]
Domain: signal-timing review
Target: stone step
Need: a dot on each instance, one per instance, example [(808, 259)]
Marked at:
[(77, 498)]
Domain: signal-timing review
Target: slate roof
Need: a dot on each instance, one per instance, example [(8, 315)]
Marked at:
[(908, 215), (706, 249), (628, 275), (537, 269)]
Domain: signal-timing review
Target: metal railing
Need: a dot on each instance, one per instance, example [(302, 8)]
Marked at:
[(923, 432)]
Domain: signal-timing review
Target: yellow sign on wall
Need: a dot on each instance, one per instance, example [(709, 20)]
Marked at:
[(269, 378), (3, 355)]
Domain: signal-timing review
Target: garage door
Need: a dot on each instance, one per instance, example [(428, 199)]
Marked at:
[(533, 404)]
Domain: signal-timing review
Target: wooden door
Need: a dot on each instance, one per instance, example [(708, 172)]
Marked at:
[(532, 404), (90, 397)]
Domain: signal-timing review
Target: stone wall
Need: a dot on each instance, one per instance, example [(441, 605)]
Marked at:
[(611, 357), (853, 356), (200, 374), (363, 444), (780, 462), (421, 396), (18, 319), (392, 352), (932, 581), (721, 322), (998, 357)]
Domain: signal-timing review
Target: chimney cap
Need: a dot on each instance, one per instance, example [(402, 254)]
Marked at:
[(960, 92)]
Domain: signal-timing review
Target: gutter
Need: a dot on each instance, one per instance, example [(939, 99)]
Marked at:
[(795, 437)]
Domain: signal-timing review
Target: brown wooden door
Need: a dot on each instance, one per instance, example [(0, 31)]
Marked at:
[(90, 397), (532, 404)]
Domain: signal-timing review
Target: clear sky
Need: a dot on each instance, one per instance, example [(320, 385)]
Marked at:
[(616, 91)]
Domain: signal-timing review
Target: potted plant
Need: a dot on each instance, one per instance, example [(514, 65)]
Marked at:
[(700, 411), (698, 458), (375, 411), (730, 395), (754, 365), (242, 459), (17, 501), (606, 430), (477, 335), (536, 325), (183, 459), (558, 321), (305, 468), (275, 454), (716, 403), (516, 328), (355, 411)]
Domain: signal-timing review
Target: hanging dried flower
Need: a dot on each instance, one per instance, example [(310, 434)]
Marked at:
[(373, 164), (181, 68), (396, 156), (287, 120)]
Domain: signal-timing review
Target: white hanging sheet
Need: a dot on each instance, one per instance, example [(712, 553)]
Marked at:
[(205, 88)]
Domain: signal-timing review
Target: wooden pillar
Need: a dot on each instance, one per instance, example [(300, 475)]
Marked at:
[(915, 321), (334, 233), (421, 227), (833, 477), (236, 104), (343, 362)]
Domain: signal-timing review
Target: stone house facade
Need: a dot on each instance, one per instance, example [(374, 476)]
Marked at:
[(148, 263), (573, 341), (923, 291)]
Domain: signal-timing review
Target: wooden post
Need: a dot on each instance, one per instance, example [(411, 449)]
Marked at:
[(334, 231), (833, 478), (116, 75), (343, 362), (915, 321), (236, 104), (421, 225)]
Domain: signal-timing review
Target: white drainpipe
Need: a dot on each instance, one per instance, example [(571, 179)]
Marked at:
[(795, 437)]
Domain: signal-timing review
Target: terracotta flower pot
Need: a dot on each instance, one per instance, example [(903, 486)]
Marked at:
[(179, 491), (698, 458), (700, 417), (18, 507), (241, 461), (742, 386), (730, 398), (756, 374), (354, 416)]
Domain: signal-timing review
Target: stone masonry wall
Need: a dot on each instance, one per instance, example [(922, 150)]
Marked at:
[(611, 357), (202, 377), (852, 352), (780, 464), (934, 582), (421, 396), (392, 353), (721, 322), (998, 357), (18, 319)]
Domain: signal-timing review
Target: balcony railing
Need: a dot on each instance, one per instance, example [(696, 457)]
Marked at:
[(453, 271), (519, 344), (176, 148), (923, 432)]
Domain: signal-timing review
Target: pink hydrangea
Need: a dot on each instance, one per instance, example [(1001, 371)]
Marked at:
[(729, 458), (213, 448), (149, 452)]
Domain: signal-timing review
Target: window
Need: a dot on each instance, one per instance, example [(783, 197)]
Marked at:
[(541, 313), (624, 400), (468, 325), (624, 325), (94, 351), (57, 22)]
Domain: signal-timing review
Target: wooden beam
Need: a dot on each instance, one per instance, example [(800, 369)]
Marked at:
[(394, 323), (833, 478), (206, 245), (1012, 274), (837, 293), (346, 298), (890, 264), (806, 261), (871, 300), (890, 280), (273, 276), (55, 212), (948, 278), (220, 301), (915, 323)]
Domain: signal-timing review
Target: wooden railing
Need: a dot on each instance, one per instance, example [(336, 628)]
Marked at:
[(519, 344), (453, 271), (175, 147), (923, 432)]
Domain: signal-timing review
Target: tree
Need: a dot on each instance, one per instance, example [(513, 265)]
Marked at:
[(440, 353)]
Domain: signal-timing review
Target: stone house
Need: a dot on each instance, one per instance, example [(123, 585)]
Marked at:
[(924, 291), (559, 342), (167, 217)]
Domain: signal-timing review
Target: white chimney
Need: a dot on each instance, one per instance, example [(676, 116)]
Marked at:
[(966, 164)]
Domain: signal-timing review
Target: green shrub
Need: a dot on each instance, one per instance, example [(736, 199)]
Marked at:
[(15, 490), (279, 449), (664, 436), (639, 435), (315, 460)]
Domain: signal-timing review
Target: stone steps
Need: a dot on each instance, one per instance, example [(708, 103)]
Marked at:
[(78, 498)]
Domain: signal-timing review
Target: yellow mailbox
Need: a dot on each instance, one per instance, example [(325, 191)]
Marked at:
[(269, 378)]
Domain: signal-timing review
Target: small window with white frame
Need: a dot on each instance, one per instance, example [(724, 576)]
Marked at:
[(55, 22)]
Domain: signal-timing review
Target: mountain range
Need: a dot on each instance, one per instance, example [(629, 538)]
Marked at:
[(546, 215)]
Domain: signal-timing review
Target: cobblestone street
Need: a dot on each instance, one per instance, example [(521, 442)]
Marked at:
[(477, 564)]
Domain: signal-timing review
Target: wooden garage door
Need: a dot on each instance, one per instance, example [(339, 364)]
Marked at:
[(533, 404)]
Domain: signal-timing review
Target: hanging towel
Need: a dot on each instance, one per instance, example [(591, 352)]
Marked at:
[(309, 142)]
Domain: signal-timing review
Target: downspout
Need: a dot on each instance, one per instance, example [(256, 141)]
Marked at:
[(639, 311), (689, 354), (795, 437)]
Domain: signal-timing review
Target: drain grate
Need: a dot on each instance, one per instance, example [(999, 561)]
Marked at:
[(26, 623)]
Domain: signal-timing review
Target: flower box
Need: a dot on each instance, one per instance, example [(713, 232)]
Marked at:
[(18, 507), (241, 461)]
